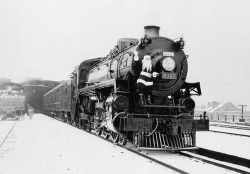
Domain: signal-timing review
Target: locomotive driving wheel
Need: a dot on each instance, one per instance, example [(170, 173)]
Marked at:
[(80, 125), (77, 123), (136, 140), (115, 137), (88, 126), (122, 140), (72, 123), (105, 134), (98, 131), (68, 121)]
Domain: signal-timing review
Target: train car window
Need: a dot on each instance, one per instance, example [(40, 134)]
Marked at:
[(78, 80), (126, 60), (126, 63), (83, 76), (113, 68)]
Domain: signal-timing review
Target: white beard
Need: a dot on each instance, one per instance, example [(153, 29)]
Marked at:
[(147, 66)]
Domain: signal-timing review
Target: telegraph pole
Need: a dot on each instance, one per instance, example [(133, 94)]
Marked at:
[(242, 106)]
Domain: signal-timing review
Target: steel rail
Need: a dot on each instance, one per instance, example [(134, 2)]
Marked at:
[(230, 133), (220, 157), (8, 134)]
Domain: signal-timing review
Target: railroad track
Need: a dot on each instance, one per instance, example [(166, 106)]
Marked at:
[(232, 127), (169, 160), (6, 136), (224, 162), (131, 149), (230, 133), (230, 162)]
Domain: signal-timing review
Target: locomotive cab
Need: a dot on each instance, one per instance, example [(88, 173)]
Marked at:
[(82, 71)]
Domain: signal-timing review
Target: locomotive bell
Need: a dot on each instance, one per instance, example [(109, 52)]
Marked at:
[(152, 31)]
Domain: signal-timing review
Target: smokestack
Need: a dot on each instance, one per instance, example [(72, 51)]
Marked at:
[(152, 31)]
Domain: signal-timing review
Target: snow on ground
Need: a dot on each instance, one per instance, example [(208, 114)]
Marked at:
[(46, 146), (231, 130), (190, 165), (225, 143)]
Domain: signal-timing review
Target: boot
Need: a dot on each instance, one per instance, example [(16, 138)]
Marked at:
[(141, 101), (149, 100)]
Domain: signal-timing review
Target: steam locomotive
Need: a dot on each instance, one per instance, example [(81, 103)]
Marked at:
[(137, 94), (12, 99)]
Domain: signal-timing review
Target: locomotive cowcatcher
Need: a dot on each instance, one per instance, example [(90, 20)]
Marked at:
[(137, 94)]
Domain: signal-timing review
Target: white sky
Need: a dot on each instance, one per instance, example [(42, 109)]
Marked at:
[(48, 38)]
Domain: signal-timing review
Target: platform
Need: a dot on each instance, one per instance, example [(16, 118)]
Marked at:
[(47, 146)]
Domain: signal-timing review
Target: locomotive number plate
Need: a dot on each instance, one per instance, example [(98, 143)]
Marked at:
[(166, 75)]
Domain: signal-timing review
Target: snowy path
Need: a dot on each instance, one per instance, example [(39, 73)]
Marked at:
[(45, 145)]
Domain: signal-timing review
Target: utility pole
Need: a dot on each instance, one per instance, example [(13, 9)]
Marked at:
[(242, 106)]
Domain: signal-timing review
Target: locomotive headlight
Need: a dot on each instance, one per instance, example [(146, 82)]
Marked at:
[(168, 63)]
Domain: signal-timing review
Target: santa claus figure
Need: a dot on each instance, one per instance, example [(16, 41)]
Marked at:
[(145, 81)]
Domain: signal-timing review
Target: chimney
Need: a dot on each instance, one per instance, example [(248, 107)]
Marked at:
[(152, 31)]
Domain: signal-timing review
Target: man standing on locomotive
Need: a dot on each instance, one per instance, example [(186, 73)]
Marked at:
[(145, 80)]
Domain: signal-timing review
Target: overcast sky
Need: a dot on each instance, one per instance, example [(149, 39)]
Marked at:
[(48, 38)]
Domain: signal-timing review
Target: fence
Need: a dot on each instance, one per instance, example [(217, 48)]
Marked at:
[(230, 118)]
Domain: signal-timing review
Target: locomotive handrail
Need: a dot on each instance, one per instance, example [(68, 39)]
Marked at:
[(157, 123), (163, 106), (111, 82), (149, 115)]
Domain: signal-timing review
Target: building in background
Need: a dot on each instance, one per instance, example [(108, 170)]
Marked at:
[(4, 80), (219, 108), (223, 111), (30, 79), (35, 88), (222, 108)]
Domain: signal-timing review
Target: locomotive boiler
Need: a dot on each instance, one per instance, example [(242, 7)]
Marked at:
[(138, 93)]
